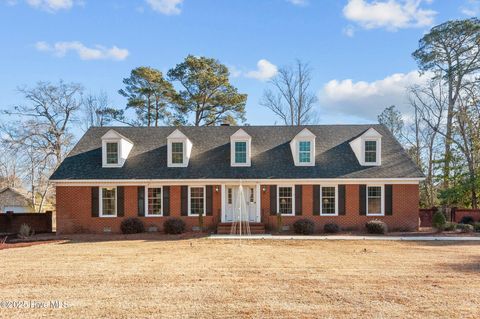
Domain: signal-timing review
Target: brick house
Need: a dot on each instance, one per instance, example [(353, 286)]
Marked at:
[(346, 174)]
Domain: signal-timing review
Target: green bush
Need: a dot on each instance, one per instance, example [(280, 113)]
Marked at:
[(465, 228), (376, 227), (331, 228), (450, 226), (476, 226), (174, 226), (304, 226), (132, 225), (439, 221)]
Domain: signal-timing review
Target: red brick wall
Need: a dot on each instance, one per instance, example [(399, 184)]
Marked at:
[(405, 209), (460, 213), (74, 210)]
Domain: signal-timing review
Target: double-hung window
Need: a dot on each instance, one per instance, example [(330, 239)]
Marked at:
[(154, 204), (304, 151), (285, 200), (108, 201), (177, 152), (112, 153), (328, 196), (374, 200), (370, 151), (241, 152), (197, 200)]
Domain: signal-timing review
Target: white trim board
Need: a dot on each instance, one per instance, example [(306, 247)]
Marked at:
[(200, 182)]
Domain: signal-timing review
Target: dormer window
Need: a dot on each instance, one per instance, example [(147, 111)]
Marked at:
[(368, 148), (240, 148), (241, 152), (370, 151), (303, 148), (179, 149), (112, 153), (115, 149), (177, 152)]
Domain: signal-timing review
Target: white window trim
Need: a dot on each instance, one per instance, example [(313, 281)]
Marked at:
[(147, 212), (378, 140), (336, 200), (312, 145), (293, 199), (100, 204), (204, 200), (382, 199), (104, 152), (232, 152), (170, 153)]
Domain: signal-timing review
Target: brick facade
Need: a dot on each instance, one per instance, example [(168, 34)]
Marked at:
[(74, 210)]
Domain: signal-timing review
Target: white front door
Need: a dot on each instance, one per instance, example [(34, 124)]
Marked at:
[(232, 202)]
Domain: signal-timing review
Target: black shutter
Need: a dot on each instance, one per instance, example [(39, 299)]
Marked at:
[(166, 201), (120, 201), (209, 199), (298, 200), (95, 201), (388, 200), (341, 200), (316, 199), (273, 199), (141, 200), (363, 199), (184, 200)]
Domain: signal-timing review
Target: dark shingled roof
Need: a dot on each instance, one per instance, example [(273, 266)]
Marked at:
[(210, 158)]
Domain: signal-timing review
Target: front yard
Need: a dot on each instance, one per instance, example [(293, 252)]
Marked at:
[(204, 278)]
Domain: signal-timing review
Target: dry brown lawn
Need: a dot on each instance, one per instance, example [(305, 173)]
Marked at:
[(204, 278)]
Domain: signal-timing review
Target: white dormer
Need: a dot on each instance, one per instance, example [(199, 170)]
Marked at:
[(115, 149), (303, 148), (368, 148), (179, 149), (240, 148)]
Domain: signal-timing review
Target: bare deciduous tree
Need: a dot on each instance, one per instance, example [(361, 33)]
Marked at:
[(291, 98), (96, 110)]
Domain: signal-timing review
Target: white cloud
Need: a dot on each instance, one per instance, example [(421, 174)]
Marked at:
[(51, 5), (168, 7), (265, 70), (471, 8), (300, 3), (389, 14), (365, 100), (349, 31), (98, 52)]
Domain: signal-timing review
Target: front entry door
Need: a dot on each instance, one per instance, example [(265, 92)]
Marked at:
[(232, 197)]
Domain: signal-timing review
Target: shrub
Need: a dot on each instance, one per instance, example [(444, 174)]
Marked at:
[(476, 227), (439, 221), (467, 220), (304, 226), (376, 227), (331, 228), (174, 226), (465, 228), (132, 225), (450, 226), (25, 231)]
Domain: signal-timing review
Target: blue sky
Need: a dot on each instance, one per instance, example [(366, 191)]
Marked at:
[(360, 50)]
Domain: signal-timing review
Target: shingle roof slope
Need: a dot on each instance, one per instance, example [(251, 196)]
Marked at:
[(210, 158)]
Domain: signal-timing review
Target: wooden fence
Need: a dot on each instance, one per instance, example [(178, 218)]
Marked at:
[(39, 222)]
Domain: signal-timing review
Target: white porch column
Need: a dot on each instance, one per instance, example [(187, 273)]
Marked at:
[(258, 203), (222, 218)]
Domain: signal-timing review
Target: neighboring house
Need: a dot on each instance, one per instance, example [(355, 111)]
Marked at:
[(346, 174), (12, 200)]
